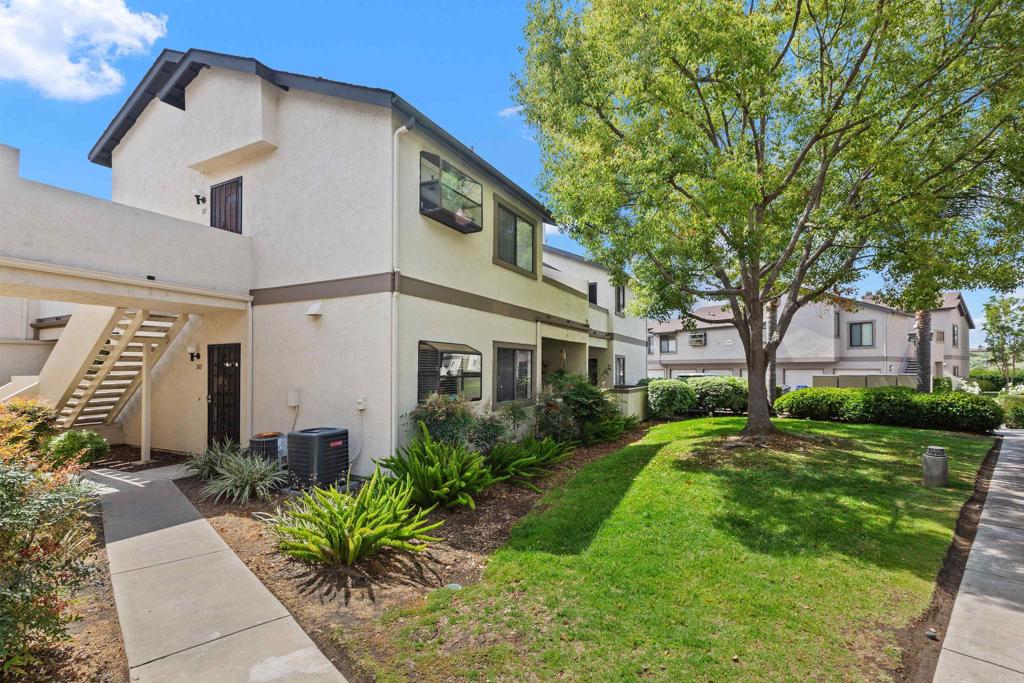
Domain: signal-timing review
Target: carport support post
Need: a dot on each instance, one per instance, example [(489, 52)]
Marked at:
[(147, 400)]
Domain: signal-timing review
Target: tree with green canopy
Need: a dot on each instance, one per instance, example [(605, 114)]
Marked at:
[(1004, 333), (773, 152)]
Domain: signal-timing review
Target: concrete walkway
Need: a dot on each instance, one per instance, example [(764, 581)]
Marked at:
[(190, 610), (985, 639)]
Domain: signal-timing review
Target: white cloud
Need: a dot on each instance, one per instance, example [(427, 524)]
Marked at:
[(509, 112), (66, 49), (550, 230)]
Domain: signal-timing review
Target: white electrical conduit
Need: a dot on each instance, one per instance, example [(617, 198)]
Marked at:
[(395, 274)]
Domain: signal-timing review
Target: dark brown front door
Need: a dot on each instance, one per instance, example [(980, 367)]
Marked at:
[(224, 389)]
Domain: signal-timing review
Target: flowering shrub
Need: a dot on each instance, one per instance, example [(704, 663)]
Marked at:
[(970, 387)]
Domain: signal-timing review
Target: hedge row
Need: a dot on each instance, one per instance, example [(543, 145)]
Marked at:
[(899, 406), (671, 397), (993, 380)]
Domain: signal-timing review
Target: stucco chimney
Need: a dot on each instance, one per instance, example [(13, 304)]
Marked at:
[(9, 160)]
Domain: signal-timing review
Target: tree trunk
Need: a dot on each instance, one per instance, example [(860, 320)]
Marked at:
[(758, 411), (923, 327), (773, 323)]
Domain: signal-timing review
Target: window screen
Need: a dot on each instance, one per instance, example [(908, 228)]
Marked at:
[(449, 369)]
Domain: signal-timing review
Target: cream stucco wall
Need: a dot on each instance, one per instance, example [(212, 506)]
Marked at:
[(316, 203), (22, 357), (333, 359)]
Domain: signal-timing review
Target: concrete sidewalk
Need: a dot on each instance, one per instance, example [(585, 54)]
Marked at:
[(190, 610), (985, 638)]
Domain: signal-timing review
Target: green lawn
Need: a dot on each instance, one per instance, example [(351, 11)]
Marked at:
[(666, 559)]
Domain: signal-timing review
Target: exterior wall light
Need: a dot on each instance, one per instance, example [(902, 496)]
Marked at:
[(315, 309), (193, 354), (200, 199)]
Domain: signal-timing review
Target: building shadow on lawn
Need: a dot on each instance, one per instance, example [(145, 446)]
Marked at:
[(828, 499), (570, 517)]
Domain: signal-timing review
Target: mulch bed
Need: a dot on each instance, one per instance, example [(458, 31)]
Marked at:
[(921, 653), (125, 458), (323, 601), (94, 652)]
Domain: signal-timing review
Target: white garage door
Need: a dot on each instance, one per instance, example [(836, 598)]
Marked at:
[(800, 378), (716, 372)]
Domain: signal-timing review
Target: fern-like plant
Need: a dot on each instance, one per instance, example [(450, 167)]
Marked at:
[(205, 464), (441, 472), (239, 477), (527, 459), (547, 451), (331, 527)]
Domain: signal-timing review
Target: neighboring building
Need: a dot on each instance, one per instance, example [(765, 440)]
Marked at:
[(28, 331), (860, 338), (359, 258)]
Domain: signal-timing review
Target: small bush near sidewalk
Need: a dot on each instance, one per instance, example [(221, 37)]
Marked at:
[(571, 409), (1013, 406), (239, 477), (330, 527), (40, 419), (81, 446), (955, 411), (44, 541), (441, 472), (204, 465), (669, 398)]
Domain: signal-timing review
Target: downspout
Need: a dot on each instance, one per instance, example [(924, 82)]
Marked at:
[(395, 276), (251, 354)]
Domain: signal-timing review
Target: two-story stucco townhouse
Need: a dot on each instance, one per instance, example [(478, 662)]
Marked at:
[(861, 337), (289, 251)]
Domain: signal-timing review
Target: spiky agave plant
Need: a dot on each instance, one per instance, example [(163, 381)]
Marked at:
[(239, 477), (441, 472), (331, 527), (205, 464)]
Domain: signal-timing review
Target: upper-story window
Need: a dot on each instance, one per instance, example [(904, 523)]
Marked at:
[(592, 292), (940, 335), (835, 324), (862, 334), (650, 343), (620, 371), (449, 369), (449, 196), (956, 335), (620, 299), (668, 343), (513, 239), (226, 206)]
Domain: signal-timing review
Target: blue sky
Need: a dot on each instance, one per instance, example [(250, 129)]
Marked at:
[(452, 60)]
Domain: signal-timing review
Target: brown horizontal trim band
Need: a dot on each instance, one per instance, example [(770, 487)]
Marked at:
[(457, 297), (629, 340), (385, 282), (55, 321), (565, 288), (324, 289), (596, 307)]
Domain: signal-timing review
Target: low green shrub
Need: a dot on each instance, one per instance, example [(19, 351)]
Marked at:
[(995, 379), (527, 459), (955, 411), (986, 384), (45, 540), (205, 464), (1013, 406), (40, 417), (78, 446), (718, 394), (942, 385), (813, 403), (447, 418), (489, 431), (441, 472), (668, 398), (334, 528), (554, 418), (239, 477)]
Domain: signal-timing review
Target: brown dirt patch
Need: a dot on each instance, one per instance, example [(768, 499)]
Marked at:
[(920, 654), (125, 458), (322, 602), (95, 651)]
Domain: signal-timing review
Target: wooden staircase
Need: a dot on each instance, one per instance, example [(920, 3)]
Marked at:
[(115, 368)]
